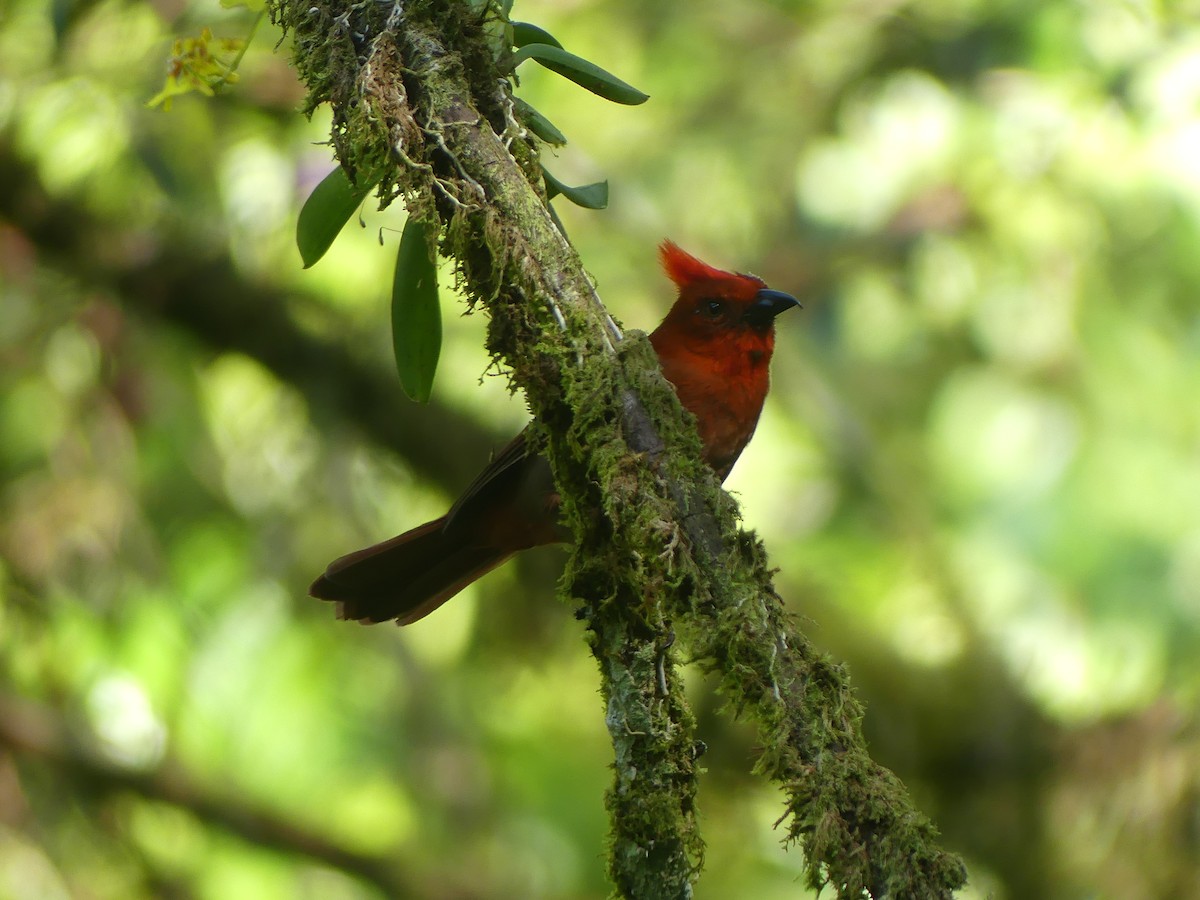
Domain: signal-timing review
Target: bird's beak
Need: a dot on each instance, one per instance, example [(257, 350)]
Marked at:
[(767, 305)]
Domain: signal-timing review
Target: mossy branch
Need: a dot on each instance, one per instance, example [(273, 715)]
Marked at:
[(421, 104)]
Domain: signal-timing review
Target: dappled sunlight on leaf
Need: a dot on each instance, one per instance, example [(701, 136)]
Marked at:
[(259, 428), (129, 731), (76, 128), (997, 442), (895, 141)]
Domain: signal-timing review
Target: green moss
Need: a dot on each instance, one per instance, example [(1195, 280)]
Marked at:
[(660, 563)]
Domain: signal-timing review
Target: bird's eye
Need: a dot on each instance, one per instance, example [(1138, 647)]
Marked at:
[(713, 308)]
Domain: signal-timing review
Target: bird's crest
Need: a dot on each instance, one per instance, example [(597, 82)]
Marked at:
[(687, 271)]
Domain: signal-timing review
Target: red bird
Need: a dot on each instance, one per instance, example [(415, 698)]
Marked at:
[(714, 346)]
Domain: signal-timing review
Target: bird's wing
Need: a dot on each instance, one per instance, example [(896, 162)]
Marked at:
[(506, 469)]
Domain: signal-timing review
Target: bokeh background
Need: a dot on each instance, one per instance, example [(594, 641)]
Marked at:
[(979, 469)]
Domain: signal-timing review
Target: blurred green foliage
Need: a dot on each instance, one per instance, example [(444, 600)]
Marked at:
[(979, 469)]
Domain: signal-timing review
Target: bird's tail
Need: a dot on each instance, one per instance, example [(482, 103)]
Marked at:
[(407, 577)]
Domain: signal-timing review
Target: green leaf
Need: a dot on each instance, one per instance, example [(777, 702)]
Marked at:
[(558, 223), (583, 73), (416, 317), (539, 124), (525, 33), (327, 209), (589, 196)]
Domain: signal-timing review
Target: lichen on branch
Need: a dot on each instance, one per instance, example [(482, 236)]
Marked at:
[(421, 103)]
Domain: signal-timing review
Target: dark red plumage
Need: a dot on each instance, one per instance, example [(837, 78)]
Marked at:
[(715, 347)]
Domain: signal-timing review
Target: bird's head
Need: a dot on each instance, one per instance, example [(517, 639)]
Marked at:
[(715, 304)]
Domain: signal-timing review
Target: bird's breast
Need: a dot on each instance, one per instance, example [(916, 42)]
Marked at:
[(726, 402)]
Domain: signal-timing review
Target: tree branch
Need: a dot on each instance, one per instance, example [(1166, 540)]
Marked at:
[(36, 733), (417, 96)]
